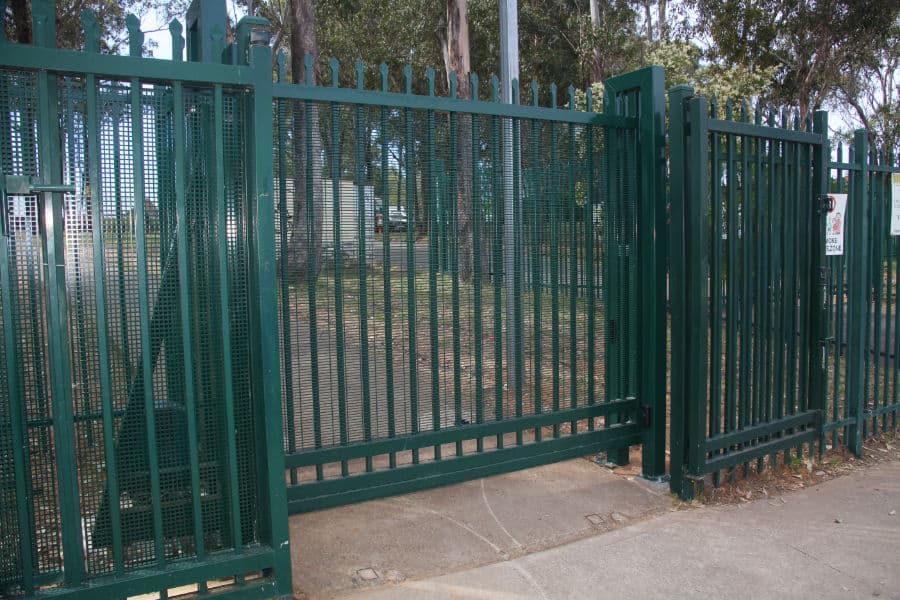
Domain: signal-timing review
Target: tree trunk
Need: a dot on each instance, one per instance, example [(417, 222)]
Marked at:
[(457, 60), (306, 232), (663, 23), (597, 58)]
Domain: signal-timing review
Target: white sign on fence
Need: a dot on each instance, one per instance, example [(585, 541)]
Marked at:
[(895, 204), (834, 226)]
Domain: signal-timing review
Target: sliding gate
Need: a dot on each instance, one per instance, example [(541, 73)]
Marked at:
[(511, 319)]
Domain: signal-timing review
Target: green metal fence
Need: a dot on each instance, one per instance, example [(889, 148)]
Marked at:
[(862, 388), (778, 349), (139, 429), (456, 348), (748, 327)]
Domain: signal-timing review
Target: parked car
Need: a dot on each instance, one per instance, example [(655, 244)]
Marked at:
[(396, 219)]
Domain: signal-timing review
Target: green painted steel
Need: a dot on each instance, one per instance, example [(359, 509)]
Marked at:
[(749, 304), (141, 398), (407, 388)]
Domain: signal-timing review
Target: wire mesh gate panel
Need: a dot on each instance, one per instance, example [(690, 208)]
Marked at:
[(497, 328), (748, 288), (131, 408)]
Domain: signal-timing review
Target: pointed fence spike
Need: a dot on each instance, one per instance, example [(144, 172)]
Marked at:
[(43, 23), (360, 74), (335, 71), (534, 92), (91, 30), (135, 35), (175, 30), (514, 89), (383, 69), (553, 93), (429, 77), (407, 79), (473, 81), (729, 109), (495, 88), (589, 97), (571, 97), (454, 84), (308, 60), (744, 111), (217, 40), (280, 60)]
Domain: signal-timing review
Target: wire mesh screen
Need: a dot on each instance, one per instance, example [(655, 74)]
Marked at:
[(156, 294), (441, 269)]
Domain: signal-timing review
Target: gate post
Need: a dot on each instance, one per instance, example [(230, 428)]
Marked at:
[(265, 366), (818, 280), (649, 83), (858, 293), (678, 97)]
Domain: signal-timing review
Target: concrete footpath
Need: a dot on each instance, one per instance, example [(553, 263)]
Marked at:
[(574, 530)]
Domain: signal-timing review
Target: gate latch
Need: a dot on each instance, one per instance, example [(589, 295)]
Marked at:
[(826, 203), (22, 185)]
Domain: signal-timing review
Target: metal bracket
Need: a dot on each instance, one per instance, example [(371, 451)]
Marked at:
[(22, 185), (826, 203)]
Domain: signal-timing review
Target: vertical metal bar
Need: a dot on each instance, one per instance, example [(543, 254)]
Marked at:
[(453, 239), (53, 234), (386, 267), (338, 249), (819, 305), (747, 276), (433, 235), (537, 287), (553, 199), (680, 348), (477, 222), (225, 319), (715, 282), (93, 156), (696, 244), (184, 292), (273, 525), (498, 264), (518, 356), (732, 280), (309, 114), (858, 208), (361, 143), (589, 259), (13, 383), (408, 150), (572, 288), (283, 276)]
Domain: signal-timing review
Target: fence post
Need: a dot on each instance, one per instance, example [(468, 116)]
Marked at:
[(264, 311), (857, 301), (696, 235), (818, 280), (678, 97)]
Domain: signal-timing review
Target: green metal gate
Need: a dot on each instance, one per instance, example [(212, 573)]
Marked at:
[(139, 397), (463, 347), (748, 286)]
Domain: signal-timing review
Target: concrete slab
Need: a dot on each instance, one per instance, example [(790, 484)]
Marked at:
[(461, 526), (840, 539)]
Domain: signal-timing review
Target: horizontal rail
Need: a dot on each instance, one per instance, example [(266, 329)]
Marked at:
[(21, 56), (447, 436), (748, 434), (763, 131), (216, 566), (857, 167), (366, 486), (397, 100), (763, 449)]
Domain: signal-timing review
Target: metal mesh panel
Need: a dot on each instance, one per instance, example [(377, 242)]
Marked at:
[(394, 311), (137, 494)]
